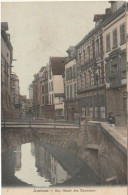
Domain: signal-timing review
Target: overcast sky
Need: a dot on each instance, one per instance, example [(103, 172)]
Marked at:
[(42, 29)]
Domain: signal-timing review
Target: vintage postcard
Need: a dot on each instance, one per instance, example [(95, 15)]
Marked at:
[(64, 97)]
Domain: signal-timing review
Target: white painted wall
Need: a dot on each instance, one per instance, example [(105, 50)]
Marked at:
[(58, 85)]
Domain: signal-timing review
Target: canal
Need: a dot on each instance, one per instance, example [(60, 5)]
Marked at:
[(28, 161)]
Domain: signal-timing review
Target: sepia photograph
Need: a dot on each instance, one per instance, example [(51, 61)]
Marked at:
[(64, 97)]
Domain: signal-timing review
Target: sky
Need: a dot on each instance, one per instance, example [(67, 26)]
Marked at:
[(42, 29)]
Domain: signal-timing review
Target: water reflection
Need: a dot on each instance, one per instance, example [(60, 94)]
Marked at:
[(27, 161), (28, 171)]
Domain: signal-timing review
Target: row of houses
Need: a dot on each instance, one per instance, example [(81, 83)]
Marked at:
[(91, 80), (13, 104), (10, 90)]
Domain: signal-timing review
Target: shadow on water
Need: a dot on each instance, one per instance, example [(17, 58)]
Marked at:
[(26, 162)]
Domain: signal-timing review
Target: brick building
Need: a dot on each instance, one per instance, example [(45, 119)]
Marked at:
[(101, 66), (90, 72), (114, 35), (71, 103)]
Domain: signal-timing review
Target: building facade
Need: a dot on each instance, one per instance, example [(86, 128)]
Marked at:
[(6, 65), (15, 94), (44, 94), (101, 66), (90, 72), (56, 69), (37, 99), (114, 35), (71, 103)]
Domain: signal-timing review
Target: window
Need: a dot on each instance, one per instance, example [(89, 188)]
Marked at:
[(114, 67), (43, 100), (83, 112), (51, 85), (93, 47), (83, 56), (102, 112), (122, 33), (46, 99), (96, 112), (97, 47), (81, 81), (115, 38), (43, 89), (80, 58), (90, 78), (52, 99), (67, 74), (73, 71), (75, 90), (91, 111), (87, 79), (70, 91), (108, 42), (70, 72), (88, 49)]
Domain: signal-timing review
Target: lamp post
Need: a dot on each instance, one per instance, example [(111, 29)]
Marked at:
[(96, 78)]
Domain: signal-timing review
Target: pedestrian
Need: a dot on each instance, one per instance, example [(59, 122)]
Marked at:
[(111, 119)]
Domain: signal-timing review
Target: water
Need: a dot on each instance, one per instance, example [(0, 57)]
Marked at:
[(27, 161)]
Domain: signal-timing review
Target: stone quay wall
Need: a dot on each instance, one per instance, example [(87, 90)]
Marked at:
[(94, 145)]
